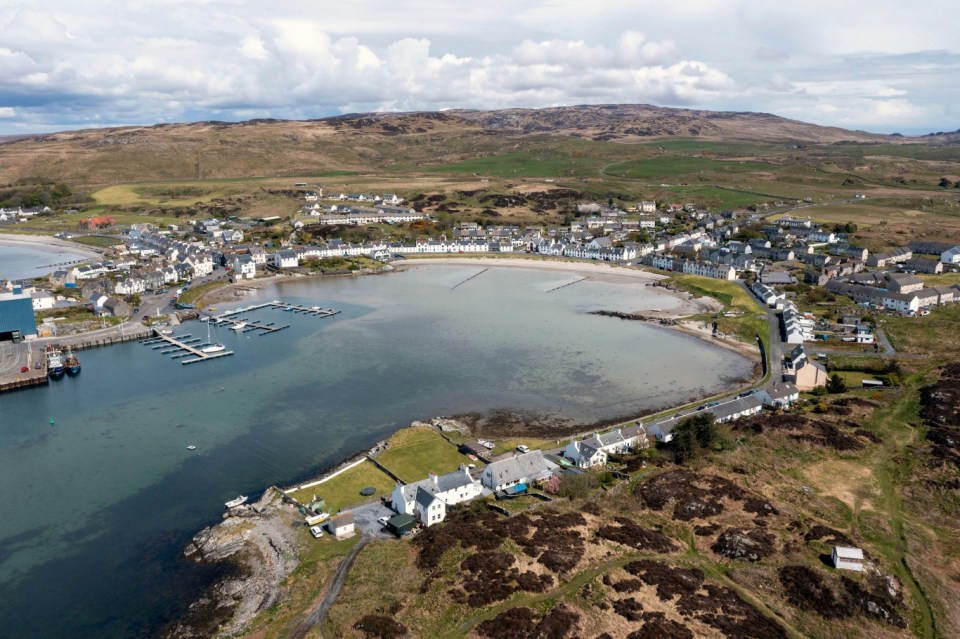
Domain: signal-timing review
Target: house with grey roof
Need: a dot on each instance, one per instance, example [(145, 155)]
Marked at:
[(779, 395), (594, 450), (521, 469), (428, 498)]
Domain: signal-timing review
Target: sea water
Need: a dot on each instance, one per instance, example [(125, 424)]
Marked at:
[(98, 505)]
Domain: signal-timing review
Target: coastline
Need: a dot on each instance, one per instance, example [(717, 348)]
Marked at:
[(46, 242), (220, 541)]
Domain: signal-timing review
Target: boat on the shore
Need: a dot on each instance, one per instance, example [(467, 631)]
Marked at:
[(55, 368), (72, 363), (233, 503)]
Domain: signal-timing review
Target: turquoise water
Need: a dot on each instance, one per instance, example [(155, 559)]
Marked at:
[(22, 262), (98, 506)]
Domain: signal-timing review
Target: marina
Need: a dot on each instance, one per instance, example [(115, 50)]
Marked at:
[(184, 346), (239, 324)]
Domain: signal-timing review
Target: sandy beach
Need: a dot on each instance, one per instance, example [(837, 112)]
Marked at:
[(46, 242)]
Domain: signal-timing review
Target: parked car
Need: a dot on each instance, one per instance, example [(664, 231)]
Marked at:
[(383, 520), (316, 531), (523, 448), (24, 369)]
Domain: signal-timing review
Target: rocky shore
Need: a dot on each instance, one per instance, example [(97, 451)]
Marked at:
[(260, 540)]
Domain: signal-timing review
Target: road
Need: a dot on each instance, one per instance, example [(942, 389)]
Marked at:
[(318, 614)]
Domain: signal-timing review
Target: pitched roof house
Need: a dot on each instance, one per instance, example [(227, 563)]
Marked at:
[(521, 469)]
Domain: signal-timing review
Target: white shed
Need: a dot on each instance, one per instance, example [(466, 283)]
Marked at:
[(847, 558)]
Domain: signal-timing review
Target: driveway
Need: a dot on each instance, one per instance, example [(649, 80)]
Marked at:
[(365, 517)]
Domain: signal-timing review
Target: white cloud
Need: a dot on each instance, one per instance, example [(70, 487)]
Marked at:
[(166, 60), (7, 112)]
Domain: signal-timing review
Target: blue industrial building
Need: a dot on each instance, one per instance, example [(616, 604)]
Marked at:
[(16, 316)]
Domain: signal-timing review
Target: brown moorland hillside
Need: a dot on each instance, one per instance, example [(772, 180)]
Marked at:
[(376, 141)]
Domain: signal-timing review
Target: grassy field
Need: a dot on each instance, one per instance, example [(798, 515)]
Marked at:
[(194, 293), (95, 240), (673, 167), (752, 319), (318, 562), (344, 489), (414, 452)]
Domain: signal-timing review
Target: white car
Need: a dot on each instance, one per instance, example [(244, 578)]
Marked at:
[(316, 531), (383, 520), (523, 449)]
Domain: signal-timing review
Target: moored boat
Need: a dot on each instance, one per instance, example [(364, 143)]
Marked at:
[(55, 368), (233, 503), (239, 326), (72, 363), (212, 348)]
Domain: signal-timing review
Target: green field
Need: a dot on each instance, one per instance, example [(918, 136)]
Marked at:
[(344, 489), (413, 452), (672, 167)]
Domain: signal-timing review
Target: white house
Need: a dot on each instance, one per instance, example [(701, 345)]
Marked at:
[(520, 469), (428, 498), (847, 558), (130, 286), (341, 526), (951, 256), (286, 258), (42, 300), (244, 267), (779, 395), (594, 450)]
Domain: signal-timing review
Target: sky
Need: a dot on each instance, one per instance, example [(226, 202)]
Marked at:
[(878, 65)]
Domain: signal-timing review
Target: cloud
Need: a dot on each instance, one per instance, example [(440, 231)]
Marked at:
[(7, 112), (64, 66)]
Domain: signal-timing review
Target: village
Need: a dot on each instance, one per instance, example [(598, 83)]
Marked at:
[(818, 297)]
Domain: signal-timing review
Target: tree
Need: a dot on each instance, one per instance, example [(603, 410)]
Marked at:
[(836, 384), (693, 436)]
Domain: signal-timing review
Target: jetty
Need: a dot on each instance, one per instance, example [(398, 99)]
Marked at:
[(182, 346), (234, 320)]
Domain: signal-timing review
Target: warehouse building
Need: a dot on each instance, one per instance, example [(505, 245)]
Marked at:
[(16, 316)]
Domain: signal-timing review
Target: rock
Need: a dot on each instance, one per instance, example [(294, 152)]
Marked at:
[(261, 543)]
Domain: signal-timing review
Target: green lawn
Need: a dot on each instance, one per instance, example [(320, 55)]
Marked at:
[(413, 452), (194, 293), (344, 489)]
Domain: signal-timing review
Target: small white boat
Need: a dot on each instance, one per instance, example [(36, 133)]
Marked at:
[(191, 447), (233, 503), (239, 326), (212, 348)]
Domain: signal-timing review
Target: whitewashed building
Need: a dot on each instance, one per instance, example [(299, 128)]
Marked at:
[(428, 498)]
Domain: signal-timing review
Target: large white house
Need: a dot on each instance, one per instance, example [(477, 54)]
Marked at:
[(521, 469), (428, 498), (594, 450)]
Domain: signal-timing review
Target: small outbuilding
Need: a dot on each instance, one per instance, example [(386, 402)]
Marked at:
[(342, 526), (847, 558), (401, 524)]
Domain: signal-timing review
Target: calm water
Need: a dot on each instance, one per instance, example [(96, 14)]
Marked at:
[(22, 262), (97, 507)]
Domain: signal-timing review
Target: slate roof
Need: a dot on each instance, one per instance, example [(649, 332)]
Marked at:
[(516, 468)]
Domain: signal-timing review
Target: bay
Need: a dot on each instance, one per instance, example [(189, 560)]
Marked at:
[(99, 504), (23, 261)]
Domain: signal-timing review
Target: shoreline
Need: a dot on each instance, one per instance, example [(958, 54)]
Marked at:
[(46, 241)]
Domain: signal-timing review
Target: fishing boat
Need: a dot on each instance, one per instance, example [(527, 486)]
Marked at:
[(191, 447), (55, 368), (72, 363), (233, 503)]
